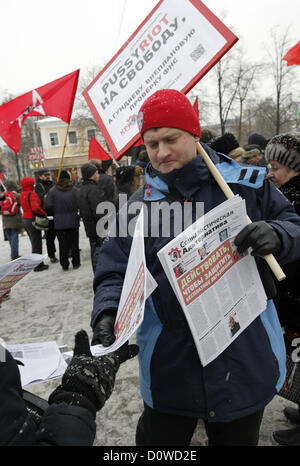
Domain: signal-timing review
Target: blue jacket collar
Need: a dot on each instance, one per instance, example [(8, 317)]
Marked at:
[(185, 180)]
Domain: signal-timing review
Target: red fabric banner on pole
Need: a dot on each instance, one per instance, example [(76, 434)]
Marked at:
[(96, 151), (53, 99), (196, 107), (292, 57)]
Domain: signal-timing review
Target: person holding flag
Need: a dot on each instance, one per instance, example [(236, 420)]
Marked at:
[(231, 392)]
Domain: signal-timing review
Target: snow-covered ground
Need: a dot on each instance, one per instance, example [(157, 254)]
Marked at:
[(54, 305)]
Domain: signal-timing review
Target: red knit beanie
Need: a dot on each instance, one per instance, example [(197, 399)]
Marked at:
[(168, 108)]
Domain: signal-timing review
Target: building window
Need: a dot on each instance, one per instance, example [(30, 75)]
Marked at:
[(72, 137), (91, 133), (54, 139)]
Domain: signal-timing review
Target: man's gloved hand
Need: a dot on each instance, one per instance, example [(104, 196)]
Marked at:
[(261, 237), (89, 381), (104, 329)]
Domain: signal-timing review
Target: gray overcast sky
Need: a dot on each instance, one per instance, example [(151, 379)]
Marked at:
[(42, 41)]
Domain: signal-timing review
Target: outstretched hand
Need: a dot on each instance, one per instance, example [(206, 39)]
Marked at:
[(88, 380)]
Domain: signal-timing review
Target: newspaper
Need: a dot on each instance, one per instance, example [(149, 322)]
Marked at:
[(219, 290), (40, 361), (138, 285), (15, 270)]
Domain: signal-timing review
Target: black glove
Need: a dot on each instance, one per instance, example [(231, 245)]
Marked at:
[(261, 237), (104, 329), (89, 381)]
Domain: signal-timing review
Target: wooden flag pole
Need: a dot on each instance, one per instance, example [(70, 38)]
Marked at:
[(63, 154), (270, 259), (113, 159), (2, 184)]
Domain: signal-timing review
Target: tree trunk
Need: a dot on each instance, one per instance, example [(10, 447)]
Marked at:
[(240, 121)]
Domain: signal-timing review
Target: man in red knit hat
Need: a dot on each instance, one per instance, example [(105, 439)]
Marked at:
[(230, 393), (168, 119)]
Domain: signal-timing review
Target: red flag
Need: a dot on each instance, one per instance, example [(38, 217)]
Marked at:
[(292, 57), (196, 107), (53, 99), (96, 151)]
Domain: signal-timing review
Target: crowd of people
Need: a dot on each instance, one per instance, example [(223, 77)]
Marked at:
[(62, 205), (231, 393)]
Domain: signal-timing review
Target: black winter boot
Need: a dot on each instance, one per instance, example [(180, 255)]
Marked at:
[(289, 437), (41, 267)]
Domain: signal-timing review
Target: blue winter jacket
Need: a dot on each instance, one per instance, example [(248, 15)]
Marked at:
[(247, 375)]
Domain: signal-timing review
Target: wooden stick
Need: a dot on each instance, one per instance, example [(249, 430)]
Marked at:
[(3, 186), (270, 259), (63, 153), (114, 160)]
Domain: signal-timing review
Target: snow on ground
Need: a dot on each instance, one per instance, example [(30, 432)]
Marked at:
[(54, 305)]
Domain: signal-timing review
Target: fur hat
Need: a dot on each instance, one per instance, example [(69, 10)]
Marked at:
[(224, 144), (253, 146), (88, 170), (251, 153), (168, 108), (208, 135), (127, 178), (284, 149)]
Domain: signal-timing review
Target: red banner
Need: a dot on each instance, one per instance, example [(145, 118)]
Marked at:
[(196, 107), (53, 99), (292, 57), (96, 151)]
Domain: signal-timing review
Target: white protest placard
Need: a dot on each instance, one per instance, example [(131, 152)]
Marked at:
[(175, 46)]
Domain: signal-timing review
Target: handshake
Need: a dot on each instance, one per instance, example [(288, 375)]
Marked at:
[(89, 381)]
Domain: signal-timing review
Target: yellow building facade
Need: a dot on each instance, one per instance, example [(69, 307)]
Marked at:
[(55, 134)]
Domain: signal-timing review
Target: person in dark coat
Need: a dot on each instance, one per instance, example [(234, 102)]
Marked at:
[(260, 142), (90, 195), (106, 182), (230, 393), (62, 202), (69, 420), (142, 160), (43, 185), (129, 178), (282, 154)]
